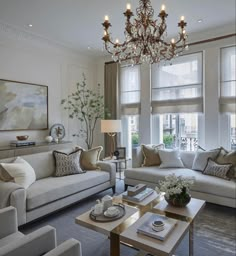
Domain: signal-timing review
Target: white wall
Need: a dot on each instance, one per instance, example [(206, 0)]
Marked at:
[(26, 58)]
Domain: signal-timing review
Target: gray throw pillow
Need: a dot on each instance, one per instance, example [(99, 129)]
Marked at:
[(201, 157), (67, 164), (218, 170)]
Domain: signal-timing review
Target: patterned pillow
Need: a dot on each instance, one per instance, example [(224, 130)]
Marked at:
[(151, 155), (228, 157), (67, 164), (218, 170)]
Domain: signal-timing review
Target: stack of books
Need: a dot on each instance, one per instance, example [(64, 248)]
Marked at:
[(21, 143), (160, 231), (137, 197)]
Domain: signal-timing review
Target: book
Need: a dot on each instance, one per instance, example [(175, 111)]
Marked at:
[(139, 197), (132, 191), (16, 143), (147, 227)]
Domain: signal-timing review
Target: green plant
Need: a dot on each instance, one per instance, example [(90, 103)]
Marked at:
[(135, 138), (168, 140), (87, 106)]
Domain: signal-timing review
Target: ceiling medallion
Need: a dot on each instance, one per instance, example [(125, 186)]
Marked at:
[(145, 38)]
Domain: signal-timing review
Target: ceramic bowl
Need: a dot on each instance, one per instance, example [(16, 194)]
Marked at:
[(22, 137)]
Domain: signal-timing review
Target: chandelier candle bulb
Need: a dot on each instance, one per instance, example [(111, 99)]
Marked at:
[(172, 40), (128, 7), (182, 18), (106, 18), (163, 7)]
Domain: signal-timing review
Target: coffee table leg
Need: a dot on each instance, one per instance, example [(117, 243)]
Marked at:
[(114, 245), (191, 239)]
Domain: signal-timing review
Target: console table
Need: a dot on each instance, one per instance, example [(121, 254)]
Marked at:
[(8, 151)]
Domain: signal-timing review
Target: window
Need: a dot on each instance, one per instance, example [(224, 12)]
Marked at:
[(130, 106), (177, 98), (233, 131)]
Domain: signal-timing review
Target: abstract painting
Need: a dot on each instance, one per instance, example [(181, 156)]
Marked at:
[(23, 106)]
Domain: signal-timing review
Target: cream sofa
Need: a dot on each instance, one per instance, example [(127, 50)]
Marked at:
[(49, 193), (209, 188)]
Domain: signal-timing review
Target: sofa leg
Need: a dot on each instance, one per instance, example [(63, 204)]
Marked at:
[(126, 187), (114, 189)]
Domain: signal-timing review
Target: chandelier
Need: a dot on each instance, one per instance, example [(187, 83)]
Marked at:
[(145, 37)]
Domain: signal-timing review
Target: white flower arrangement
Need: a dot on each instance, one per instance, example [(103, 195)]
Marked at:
[(175, 185)]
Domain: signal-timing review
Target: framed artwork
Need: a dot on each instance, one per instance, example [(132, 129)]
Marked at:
[(23, 106), (121, 153)]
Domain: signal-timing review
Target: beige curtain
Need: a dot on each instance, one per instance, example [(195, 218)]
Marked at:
[(111, 95)]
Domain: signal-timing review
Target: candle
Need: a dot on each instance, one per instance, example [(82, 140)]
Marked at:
[(182, 18), (106, 18), (163, 7), (128, 6)]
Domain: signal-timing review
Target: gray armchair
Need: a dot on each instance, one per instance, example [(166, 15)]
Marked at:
[(39, 242)]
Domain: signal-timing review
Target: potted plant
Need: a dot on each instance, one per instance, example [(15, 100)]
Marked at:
[(176, 189), (88, 107)]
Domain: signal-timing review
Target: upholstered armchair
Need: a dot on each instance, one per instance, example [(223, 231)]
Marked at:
[(39, 242)]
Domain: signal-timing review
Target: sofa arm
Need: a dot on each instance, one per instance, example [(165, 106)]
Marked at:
[(70, 247), (8, 221), (36, 243), (109, 167), (137, 157), (18, 200)]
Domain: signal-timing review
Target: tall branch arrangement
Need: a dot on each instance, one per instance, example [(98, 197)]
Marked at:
[(88, 107)]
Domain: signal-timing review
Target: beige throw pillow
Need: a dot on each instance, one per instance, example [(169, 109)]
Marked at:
[(4, 175), (89, 158), (21, 171), (151, 155), (228, 157)]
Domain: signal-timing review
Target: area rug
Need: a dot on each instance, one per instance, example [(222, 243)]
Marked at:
[(214, 232)]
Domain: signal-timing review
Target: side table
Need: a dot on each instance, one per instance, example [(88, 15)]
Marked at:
[(118, 163)]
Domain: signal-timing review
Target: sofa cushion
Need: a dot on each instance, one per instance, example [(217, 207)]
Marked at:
[(201, 157), (151, 155), (51, 189), (44, 166), (203, 183), (67, 164), (170, 158), (187, 158), (21, 171), (10, 239), (228, 157), (218, 170), (89, 158)]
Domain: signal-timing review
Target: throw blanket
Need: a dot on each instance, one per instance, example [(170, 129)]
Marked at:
[(6, 188)]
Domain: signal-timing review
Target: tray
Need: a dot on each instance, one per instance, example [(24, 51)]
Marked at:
[(103, 218)]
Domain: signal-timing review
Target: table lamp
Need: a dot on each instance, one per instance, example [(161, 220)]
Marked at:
[(111, 127)]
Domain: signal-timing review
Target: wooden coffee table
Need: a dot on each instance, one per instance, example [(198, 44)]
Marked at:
[(125, 229)]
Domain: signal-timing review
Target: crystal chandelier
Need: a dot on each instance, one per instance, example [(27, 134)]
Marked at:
[(145, 38)]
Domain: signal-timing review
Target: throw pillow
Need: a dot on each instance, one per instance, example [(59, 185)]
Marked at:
[(170, 159), (151, 155), (218, 170), (4, 175), (21, 171), (228, 157), (67, 164), (200, 159), (89, 158)]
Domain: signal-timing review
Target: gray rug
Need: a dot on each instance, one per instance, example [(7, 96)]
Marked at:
[(214, 233)]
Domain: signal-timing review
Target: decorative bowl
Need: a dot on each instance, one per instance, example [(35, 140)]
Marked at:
[(22, 137)]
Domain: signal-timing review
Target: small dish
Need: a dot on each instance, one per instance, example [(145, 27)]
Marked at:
[(22, 137)]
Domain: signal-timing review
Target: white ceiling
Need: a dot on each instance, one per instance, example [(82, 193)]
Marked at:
[(77, 23)]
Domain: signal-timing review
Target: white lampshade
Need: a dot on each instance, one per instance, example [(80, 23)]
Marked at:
[(110, 126)]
